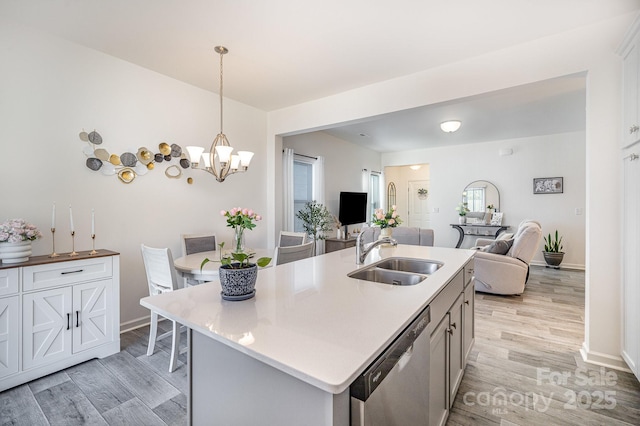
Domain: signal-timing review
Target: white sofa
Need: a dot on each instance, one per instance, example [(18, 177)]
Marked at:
[(507, 273), (403, 235)]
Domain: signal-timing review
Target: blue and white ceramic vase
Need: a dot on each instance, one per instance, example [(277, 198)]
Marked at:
[(238, 283)]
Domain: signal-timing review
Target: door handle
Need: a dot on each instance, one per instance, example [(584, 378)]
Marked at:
[(77, 318), (68, 320)]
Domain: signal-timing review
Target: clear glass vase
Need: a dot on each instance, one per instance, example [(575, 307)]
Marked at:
[(238, 240)]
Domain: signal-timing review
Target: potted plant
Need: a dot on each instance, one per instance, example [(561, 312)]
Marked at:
[(316, 220), (15, 240), (237, 275), (553, 253), (386, 220), (462, 210)]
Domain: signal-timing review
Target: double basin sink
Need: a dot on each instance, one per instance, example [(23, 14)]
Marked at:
[(397, 271)]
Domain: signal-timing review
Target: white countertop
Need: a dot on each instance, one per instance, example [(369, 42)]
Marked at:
[(308, 318)]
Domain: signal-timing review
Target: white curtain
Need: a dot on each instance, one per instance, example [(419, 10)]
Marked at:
[(366, 179), (287, 190), (318, 193)]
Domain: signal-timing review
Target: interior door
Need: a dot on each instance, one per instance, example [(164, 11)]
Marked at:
[(418, 209)]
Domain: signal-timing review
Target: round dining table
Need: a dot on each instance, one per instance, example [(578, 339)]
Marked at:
[(189, 266)]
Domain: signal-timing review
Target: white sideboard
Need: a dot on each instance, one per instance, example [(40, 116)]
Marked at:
[(57, 312)]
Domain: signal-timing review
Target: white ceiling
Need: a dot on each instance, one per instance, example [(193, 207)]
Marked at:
[(285, 52)]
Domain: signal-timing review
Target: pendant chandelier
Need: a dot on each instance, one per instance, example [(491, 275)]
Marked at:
[(220, 161)]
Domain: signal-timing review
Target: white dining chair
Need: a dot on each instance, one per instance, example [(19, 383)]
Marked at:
[(291, 238), (162, 278), (292, 253)]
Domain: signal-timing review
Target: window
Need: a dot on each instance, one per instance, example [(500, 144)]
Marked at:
[(302, 187), (475, 199), (374, 191)]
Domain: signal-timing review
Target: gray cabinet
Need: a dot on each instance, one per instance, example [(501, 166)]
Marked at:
[(452, 337)]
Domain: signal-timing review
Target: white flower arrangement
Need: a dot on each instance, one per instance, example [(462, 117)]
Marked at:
[(17, 230)]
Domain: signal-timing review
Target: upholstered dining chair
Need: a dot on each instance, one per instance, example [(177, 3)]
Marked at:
[(197, 243), (292, 238), (161, 278), (293, 253)]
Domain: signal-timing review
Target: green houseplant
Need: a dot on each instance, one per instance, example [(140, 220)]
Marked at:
[(237, 275), (316, 220), (553, 253)]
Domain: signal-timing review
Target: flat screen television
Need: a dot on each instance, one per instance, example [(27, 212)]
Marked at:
[(353, 208)]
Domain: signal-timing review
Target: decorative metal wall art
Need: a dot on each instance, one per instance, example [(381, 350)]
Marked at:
[(127, 166)]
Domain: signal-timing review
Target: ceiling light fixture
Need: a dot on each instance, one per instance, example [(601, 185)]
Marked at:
[(450, 126), (219, 161)]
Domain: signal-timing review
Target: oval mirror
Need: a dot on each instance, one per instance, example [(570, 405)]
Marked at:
[(478, 195)]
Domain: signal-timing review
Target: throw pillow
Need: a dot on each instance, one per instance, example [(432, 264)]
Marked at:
[(498, 247)]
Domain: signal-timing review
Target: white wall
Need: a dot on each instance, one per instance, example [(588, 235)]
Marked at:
[(591, 49), (52, 89), (344, 162), (453, 168)]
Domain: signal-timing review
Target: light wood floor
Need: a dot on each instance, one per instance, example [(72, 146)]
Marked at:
[(525, 369)]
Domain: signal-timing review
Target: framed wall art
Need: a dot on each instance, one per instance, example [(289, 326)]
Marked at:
[(553, 185)]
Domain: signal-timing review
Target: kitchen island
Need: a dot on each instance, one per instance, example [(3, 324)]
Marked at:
[(289, 355)]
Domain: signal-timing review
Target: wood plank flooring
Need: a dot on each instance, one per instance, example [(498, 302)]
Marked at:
[(525, 369)]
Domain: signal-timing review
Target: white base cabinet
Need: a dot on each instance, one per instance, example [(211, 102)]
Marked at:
[(62, 312), (452, 337)]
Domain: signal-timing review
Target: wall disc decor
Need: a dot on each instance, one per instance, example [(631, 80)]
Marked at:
[(127, 166)]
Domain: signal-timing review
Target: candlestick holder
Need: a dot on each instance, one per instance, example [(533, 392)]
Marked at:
[(93, 245), (73, 244), (53, 243)]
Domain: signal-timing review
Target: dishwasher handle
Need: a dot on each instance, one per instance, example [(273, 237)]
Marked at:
[(368, 381)]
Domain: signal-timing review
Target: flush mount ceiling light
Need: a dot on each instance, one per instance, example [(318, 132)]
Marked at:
[(450, 126), (219, 161)]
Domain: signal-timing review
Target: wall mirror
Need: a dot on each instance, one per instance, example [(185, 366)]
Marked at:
[(478, 195), (391, 194)]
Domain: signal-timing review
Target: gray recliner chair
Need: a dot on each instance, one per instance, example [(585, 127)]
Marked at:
[(507, 273)]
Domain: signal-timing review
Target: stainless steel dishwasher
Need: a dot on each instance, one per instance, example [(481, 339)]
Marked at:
[(394, 390)]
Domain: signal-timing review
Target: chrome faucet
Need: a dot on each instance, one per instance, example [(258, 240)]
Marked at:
[(362, 251)]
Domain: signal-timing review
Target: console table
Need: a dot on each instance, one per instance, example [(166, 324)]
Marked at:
[(57, 312), (334, 244), (478, 230)]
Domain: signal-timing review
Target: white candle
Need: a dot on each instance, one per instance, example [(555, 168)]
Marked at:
[(70, 219), (93, 223), (53, 217)]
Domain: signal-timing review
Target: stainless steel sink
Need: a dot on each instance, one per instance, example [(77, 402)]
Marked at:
[(387, 276), (407, 264), (397, 271)]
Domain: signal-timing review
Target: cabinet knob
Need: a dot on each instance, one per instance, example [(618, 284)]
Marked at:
[(68, 318), (450, 331), (453, 325), (633, 129), (466, 302)]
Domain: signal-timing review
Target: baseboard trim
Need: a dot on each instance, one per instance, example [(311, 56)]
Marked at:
[(569, 266), (134, 324), (603, 360)]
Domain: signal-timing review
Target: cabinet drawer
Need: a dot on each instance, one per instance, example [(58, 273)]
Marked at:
[(9, 281), (443, 301), (62, 273)]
